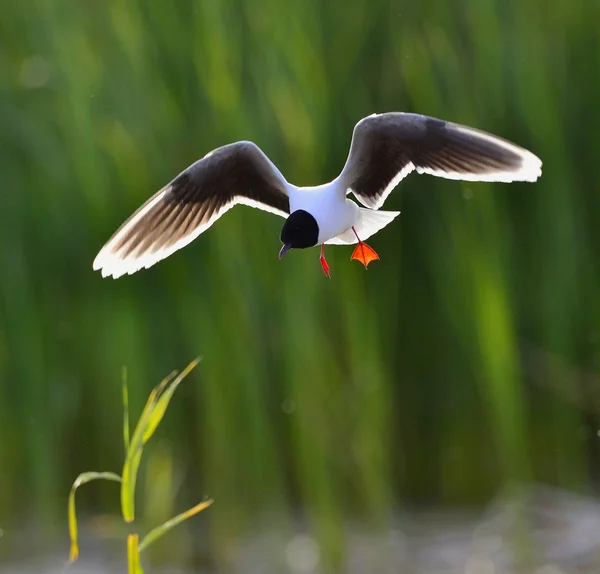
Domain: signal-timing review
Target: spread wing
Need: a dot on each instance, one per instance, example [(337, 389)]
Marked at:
[(385, 148), (191, 203)]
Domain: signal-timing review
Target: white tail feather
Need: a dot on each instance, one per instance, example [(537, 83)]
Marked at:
[(369, 223)]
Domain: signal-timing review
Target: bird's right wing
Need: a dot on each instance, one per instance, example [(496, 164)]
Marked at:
[(191, 203)]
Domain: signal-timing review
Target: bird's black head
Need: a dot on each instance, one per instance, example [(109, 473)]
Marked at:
[(299, 231)]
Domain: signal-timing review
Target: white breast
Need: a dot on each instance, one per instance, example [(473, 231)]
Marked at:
[(334, 213)]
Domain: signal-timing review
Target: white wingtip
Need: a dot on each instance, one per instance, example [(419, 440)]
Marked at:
[(529, 170), (111, 261)]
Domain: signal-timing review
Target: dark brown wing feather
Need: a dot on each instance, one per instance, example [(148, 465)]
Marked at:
[(236, 173), (387, 147)]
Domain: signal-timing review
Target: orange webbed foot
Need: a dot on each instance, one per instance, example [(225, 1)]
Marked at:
[(364, 253)]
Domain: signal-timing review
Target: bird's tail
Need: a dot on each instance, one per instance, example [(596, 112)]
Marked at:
[(369, 222)]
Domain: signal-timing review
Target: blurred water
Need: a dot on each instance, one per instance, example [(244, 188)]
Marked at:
[(541, 531)]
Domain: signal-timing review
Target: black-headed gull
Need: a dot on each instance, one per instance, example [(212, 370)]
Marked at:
[(385, 148)]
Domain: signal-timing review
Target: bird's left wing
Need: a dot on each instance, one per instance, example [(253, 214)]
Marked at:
[(191, 203), (387, 147)]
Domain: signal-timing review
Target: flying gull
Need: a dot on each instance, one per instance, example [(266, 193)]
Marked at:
[(385, 148)]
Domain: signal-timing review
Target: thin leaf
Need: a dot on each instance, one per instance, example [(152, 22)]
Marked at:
[(133, 555), (153, 412), (125, 410), (134, 453), (157, 532), (82, 479), (128, 486), (163, 402)]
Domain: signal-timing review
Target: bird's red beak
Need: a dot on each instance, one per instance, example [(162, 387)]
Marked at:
[(284, 250)]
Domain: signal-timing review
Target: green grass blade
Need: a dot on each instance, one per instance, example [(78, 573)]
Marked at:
[(162, 403), (82, 479), (153, 412), (125, 410), (134, 453), (134, 565), (128, 485), (157, 532)]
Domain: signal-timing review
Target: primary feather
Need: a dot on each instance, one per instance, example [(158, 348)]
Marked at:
[(387, 147), (238, 173)]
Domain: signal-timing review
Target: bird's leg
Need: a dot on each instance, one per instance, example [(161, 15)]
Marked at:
[(363, 252), (324, 264)]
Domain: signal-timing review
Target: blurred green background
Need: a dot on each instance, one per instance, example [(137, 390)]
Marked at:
[(457, 365)]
